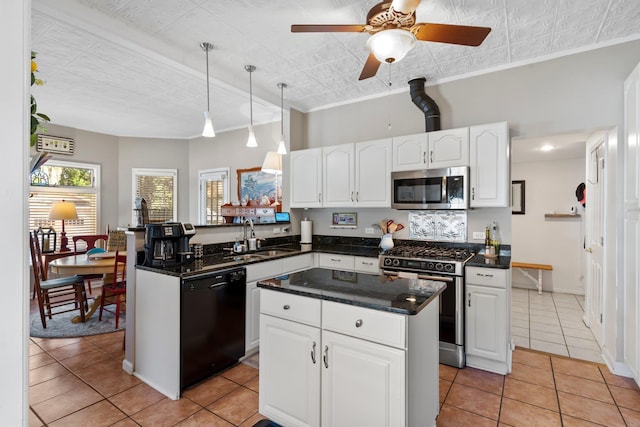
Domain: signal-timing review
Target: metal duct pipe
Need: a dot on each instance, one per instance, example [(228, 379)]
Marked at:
[(425, 103)]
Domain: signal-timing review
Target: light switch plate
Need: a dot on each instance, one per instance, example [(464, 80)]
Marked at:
[(368, 230), (478, 235)]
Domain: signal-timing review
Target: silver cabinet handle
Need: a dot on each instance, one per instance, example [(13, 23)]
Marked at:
[(286, 307), (431, 156), (313, 353), (319, 197), (352, 196), (358, 323), (473, 193), (357, 196), (325, 358), (336, 260), (424, 157), (469, 301)]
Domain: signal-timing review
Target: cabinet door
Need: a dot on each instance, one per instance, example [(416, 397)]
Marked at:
[(290, 359), (339, 262), (448, 148), (632, 140), (410, 152), (490, 174), (373, 173), (306, 178), (486, 322), (363, 383), (366, 264), (252, 318), (338, 175)]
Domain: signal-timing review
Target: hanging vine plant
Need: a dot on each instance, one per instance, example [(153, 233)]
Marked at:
[(36, 118)]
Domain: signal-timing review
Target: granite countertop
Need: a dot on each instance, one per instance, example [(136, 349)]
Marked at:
[(379, 292), (479, 260)]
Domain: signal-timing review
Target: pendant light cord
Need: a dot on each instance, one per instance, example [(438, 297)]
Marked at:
[(250, 95), (206, 50), (282, 108)]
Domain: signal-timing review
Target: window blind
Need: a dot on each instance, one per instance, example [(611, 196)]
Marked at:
[(159, 192)]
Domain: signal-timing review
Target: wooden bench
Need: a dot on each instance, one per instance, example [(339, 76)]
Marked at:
[(540, 267)]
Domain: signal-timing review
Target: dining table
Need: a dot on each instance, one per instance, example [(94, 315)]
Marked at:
[(86, 264)]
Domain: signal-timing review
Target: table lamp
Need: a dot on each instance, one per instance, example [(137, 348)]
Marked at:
[(63, 211)]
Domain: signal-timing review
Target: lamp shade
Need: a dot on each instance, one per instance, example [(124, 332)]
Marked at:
[(272, 163), (63, 210), (391, 45), (208, 126)]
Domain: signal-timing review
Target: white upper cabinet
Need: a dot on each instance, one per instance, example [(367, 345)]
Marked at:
[(431, 150), (373, 173), (490, 173), (306, 178), (338, 175)]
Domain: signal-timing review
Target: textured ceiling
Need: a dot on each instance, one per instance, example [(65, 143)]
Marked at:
[(135, 68)]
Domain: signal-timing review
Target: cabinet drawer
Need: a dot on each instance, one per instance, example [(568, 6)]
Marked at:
[(372, 325), (492, 277), (291, 307), (264, 270), (343, 262), (298, 262), (365, 264)]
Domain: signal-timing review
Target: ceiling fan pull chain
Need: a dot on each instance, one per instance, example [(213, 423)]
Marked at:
[(389, 98)]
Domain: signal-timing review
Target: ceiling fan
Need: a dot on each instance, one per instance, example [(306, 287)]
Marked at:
[(394, 31)]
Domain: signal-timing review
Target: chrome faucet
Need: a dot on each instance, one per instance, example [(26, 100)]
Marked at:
[(244, 230)]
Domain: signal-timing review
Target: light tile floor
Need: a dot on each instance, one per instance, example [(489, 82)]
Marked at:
[(552, 322)]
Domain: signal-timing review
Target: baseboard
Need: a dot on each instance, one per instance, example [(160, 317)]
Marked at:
[(127, 366), (617, 368)]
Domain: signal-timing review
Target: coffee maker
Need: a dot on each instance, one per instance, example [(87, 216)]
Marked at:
[(167, 244)]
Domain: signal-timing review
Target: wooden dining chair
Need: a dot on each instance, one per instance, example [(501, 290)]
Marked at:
[(56, 292), (84, 243), (115, 292)]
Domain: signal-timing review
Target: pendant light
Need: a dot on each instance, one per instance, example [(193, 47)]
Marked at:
[(251, 141), (282, 149), (208, 124)]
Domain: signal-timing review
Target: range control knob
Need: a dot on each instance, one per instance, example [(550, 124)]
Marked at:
[(431, 266), (387, 261), (396, 262), (449, 267), (439, 266)]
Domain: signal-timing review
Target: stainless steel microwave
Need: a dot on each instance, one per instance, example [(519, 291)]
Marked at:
[(446, 188)]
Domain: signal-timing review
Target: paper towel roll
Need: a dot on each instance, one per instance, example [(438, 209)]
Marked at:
[(305, 231)]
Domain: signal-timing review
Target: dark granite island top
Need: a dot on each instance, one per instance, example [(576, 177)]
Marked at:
[(379, 292)]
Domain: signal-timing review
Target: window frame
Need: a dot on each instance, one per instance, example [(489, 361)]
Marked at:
[(202, 177), (136, 172)]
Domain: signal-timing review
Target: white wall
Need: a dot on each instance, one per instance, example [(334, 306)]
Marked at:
[(550, 186), (15, 27)]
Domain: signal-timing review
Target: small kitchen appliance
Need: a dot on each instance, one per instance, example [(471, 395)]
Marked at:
[(440, 264), (167, 244)]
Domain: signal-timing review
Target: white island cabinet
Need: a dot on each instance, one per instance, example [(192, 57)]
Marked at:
[(326, 363), (488, 319)]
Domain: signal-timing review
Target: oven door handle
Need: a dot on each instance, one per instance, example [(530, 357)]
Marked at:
[(436, 278)]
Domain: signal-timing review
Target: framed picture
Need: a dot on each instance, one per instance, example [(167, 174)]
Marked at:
[(343, 219), (517, 197), (259, 188)]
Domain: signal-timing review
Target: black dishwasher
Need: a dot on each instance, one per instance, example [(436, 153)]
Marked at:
[(212, 323)]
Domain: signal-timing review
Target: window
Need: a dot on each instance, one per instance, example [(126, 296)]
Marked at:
[(74, 182), (159, 187), (214, 192)]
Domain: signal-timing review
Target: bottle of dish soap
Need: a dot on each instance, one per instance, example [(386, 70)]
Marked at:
[(495, 240)]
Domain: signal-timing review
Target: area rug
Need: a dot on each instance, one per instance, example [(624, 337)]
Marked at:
[(61, 325)]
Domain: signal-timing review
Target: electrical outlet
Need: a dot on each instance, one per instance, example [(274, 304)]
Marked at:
[(286, 229), (478, 235), (276, 230), (368, 230)]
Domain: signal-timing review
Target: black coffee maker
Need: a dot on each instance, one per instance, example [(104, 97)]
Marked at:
[(167, 244)]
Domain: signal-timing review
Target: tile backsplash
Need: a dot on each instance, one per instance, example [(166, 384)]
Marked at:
[(441, 226)]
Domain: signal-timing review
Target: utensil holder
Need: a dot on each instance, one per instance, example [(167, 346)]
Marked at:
[(386, 242)]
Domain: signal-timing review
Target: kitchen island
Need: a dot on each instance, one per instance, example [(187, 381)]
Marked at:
[(349, 349)]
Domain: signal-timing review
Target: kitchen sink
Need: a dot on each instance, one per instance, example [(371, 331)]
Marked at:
[(273, 252), (247, 257)]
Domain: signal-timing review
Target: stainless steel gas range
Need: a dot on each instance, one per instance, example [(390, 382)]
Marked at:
[(441, 264)]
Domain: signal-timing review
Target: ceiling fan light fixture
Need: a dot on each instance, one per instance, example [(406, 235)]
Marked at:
[(391, 45)]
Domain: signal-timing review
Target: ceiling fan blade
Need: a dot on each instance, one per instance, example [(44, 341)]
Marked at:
[(454, 34), (370, 67), (405, 6), (327, 28)]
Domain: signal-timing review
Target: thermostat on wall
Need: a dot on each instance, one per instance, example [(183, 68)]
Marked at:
[(55, 144)]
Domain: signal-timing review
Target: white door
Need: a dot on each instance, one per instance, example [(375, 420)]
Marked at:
[(306, 178), (594, 233), (338, 175), (373, 173), (486, 322), (363, 383), (289, 372)]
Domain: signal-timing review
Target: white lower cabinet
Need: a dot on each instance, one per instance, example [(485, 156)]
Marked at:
[(349, 263), (488, 319), (363, 375), (329, 364)]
